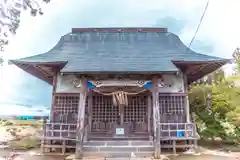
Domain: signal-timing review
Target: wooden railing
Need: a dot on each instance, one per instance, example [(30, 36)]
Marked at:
[(176, 131), (60, 130)]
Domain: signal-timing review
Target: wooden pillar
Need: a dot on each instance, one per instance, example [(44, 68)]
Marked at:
[(154, 112), (44, 135), (188, 112), (149, 105), (156, 120), (187, 107), (53, 97), (90, 96), (174, 147), (80, 123)]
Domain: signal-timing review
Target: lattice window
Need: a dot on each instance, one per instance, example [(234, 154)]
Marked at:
[(136, 109), (103, 109), (66, 108), (104, 114), (171, 104)]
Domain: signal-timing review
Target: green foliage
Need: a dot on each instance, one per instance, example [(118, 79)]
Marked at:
[(25, 143), (10, 17), (221, 113), (4, 122), (236, 56)]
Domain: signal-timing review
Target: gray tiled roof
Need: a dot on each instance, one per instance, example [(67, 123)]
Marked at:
[(120, 51)]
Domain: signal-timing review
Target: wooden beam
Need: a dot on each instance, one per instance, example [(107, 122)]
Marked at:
[(33, 71), (43, 71), (81, 117), (34, 68), (199, 69), (204, 71), (192, 68)]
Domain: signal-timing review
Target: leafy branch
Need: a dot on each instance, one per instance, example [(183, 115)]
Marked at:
[(10, 11)]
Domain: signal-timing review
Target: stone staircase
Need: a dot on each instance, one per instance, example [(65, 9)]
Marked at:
[(118, 149)]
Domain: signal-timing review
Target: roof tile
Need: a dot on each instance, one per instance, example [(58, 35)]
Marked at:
[(120, 51)]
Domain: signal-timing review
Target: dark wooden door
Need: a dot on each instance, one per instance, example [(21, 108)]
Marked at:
[(136, 113)]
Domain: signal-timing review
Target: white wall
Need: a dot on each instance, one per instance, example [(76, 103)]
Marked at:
[(65, 85), (171, 83)]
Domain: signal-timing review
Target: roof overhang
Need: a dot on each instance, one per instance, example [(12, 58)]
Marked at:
[(195, 70), (42, 70)]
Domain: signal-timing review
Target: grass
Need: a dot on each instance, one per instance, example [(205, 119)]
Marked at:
[(219, 144), (26, 122), (25, 143), (25, 133)]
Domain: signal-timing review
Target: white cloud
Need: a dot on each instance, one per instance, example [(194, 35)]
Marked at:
[(220, 27)]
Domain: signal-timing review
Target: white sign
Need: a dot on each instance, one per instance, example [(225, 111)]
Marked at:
[(119, 131)]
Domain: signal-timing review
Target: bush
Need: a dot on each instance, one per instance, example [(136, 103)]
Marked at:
[(25, 143), (5, 122), (219, 113)]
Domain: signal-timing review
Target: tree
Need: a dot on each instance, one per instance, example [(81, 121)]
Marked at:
[(10, 11), (221, 119), (236, 56), (1, 61)]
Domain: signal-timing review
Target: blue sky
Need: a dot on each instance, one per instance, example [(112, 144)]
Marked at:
[(219, 34)]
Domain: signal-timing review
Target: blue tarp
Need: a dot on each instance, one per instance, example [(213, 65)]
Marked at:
[(180, 134)]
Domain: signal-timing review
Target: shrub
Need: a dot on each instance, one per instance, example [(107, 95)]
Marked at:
[(25, 143)]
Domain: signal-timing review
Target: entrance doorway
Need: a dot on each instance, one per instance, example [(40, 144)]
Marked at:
[(104, 115)]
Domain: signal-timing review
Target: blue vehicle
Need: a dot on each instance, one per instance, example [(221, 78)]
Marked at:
[(26, 117)]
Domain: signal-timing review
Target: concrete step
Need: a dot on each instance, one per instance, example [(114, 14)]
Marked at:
[(123, 148), (119, 143), (119, 155)]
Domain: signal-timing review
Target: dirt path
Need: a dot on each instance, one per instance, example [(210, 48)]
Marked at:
[(28, 155), (205, 154)]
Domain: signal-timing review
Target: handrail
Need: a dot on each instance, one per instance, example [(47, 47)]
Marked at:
[(60, 130), (177, 130)]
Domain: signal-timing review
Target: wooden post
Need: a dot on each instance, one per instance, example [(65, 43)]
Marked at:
[(63, 147), (149, 114), (188, 119), (174, 147), (53, 96), (51, 114), (157, 143), (156, 120), (90, 111), (195, 141), (154, 112), (44, 135), (187, 107), (80, 122)]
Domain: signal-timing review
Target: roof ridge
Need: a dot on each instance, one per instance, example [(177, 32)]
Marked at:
[(120, 29)]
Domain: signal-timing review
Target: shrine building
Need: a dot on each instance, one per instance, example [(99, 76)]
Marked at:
[(119, 91)]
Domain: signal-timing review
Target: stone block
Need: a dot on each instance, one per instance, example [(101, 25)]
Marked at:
[(117, 143), (117, 149)]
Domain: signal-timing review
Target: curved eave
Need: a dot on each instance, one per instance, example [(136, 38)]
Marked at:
[(42, 70), (195, 70)]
